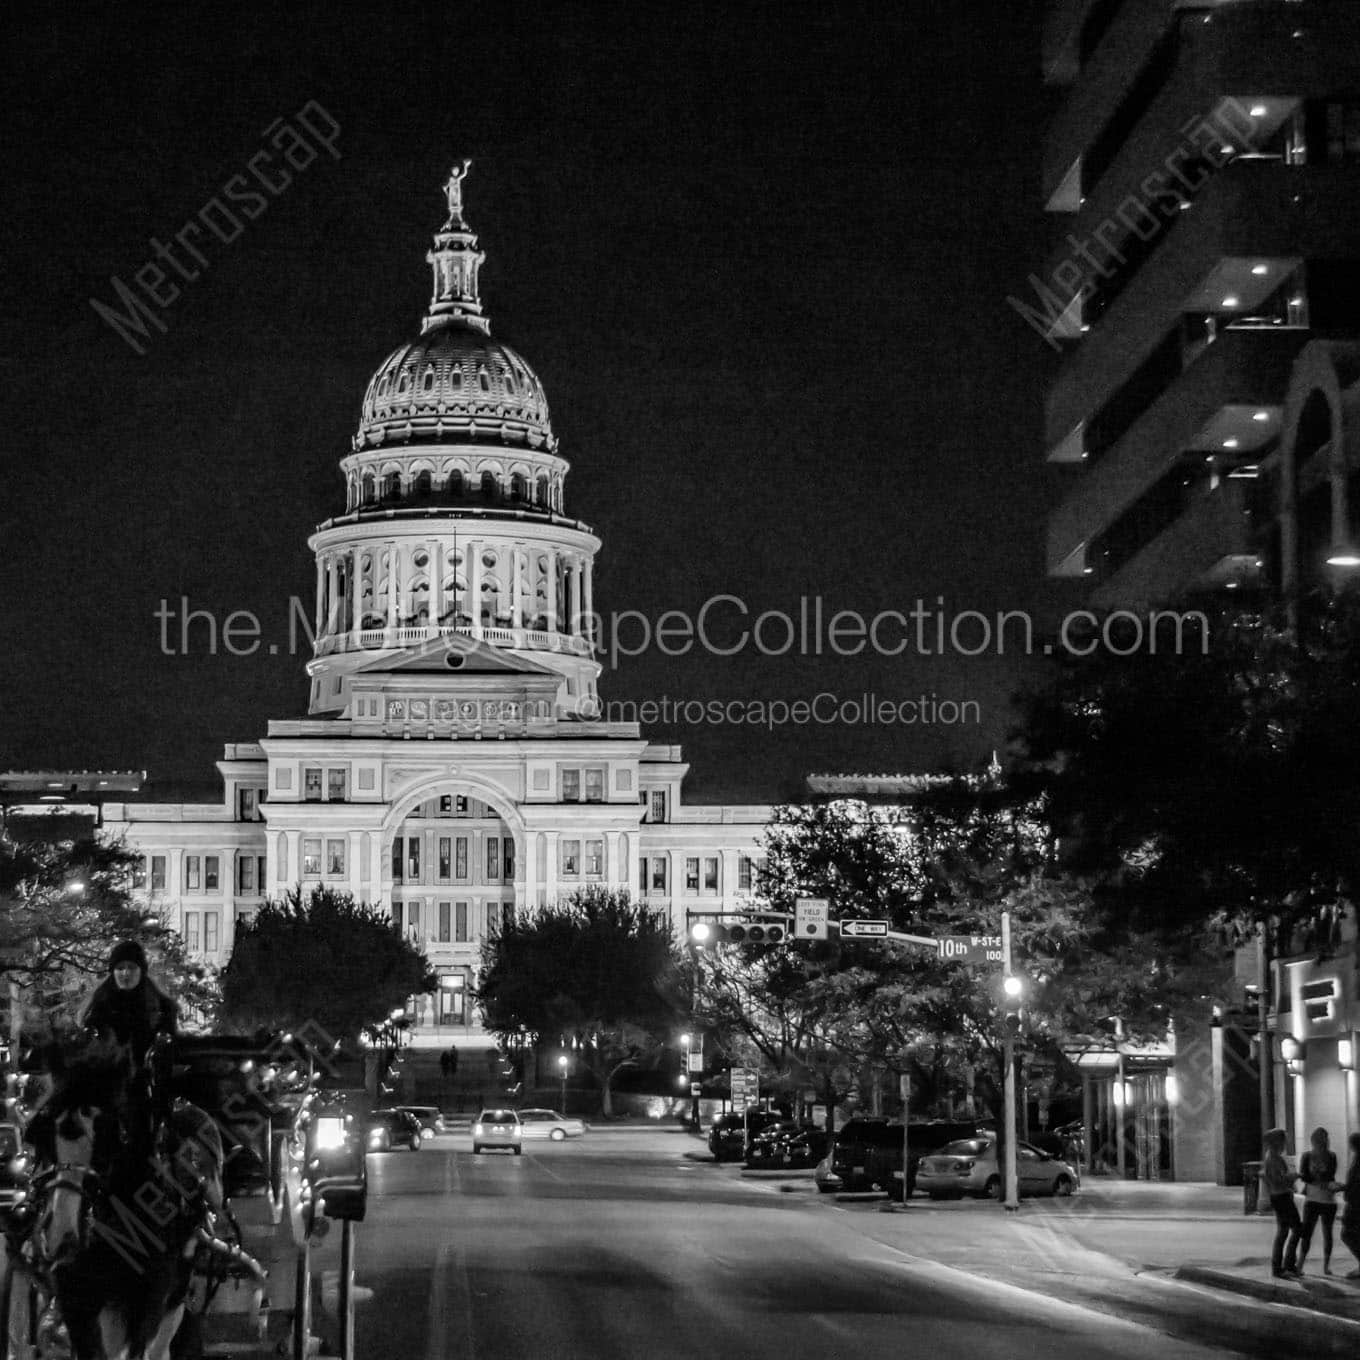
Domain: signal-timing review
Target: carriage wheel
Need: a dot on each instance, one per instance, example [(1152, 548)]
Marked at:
[(21, 1306)]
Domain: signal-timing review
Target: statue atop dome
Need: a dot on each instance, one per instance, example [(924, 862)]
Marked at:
[(453, 191)]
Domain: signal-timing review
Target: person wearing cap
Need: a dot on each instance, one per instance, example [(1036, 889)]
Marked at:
[(128, 1007)]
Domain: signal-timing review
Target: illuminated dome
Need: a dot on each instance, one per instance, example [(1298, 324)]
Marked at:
[(455, 384)]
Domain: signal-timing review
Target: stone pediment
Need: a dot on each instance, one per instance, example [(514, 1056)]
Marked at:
[(455, 654)]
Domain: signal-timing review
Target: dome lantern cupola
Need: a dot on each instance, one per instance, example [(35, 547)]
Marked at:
[(455, 260)]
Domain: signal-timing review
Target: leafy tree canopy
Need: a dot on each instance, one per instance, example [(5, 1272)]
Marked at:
[(595, 967), (324, 960), (63, 906)]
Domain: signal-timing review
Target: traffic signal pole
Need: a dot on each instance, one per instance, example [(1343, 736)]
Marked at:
[(1008, 1062)]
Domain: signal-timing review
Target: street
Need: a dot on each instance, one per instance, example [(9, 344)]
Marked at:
[(634, 1243)]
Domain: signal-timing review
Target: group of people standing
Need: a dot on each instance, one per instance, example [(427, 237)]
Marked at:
[(1318, 1172)]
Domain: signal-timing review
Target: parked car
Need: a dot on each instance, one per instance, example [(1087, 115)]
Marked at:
[(969, 1166), (498, 1129), (550, 1124), (387, 1130), (727, 1133), (787, 1144), (429, 1117), (883, 1161), (850, 1150)]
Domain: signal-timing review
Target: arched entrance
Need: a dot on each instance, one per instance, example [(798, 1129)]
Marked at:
[(452, 874)]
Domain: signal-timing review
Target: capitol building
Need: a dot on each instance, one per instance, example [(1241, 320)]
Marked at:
[(451, 768)]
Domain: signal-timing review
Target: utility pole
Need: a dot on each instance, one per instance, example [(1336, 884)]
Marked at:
[(1011, 986), (1264, 1075)]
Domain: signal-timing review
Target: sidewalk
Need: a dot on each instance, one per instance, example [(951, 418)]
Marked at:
[(1198, 1234)]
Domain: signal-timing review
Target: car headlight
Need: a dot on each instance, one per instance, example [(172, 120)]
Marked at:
[(965, 1166), (477, 1129)]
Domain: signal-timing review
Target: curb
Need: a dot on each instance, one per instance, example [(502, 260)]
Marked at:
[(1345, 1306)]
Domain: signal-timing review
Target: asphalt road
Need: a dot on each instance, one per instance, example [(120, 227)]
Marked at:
[(634, 1246)]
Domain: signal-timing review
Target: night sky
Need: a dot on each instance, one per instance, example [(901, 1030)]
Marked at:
[(758, 255)]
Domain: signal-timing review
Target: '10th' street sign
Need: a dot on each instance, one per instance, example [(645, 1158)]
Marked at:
[(971, 948)]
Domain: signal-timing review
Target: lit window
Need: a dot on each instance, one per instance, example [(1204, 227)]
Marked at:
[(595, 857), (594, 786), (571, 858), (139, 874), (692, 875), (493, 857), (245, 874), (413, 859), (413, 921), (571, 786), (311, 785), (191, 930), (193, 868), (336, 784), (460, 922), (335, 858), (508, 843), (212, 873), (744, 873), (658, 873), (445, 858), (245, 800), (658, 805), (398, 859), (157, 873), (460, 857), (311, 857), (445, 913), (711, 874), (210, 939)]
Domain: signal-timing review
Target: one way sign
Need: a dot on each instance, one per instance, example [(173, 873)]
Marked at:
[(863, 929)]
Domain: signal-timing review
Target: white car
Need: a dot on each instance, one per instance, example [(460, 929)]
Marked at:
[(550, 1124)]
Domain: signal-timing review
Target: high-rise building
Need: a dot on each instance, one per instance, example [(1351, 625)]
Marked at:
[(1202, 170)]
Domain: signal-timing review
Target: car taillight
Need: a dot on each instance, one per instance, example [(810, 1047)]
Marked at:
[(964, 1166)]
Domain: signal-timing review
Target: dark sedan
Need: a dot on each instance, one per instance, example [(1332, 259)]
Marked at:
[(728, 1132), (787, 1144), (386, 1130)]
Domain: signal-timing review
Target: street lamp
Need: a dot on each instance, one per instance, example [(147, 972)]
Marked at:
[(562, 1066)]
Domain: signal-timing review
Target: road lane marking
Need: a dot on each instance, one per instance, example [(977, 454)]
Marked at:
[(448, 1277)]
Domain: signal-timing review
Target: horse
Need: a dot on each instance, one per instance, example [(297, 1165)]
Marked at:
[(130, 1197)]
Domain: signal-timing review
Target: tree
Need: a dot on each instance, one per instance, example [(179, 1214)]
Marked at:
[(320, 960), (1215, 788), (63, 906), (594, 966)]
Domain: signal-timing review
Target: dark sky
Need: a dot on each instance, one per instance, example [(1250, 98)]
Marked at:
[(759, 256)]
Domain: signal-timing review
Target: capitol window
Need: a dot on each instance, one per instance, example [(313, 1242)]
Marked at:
[(157, 873), (711, 875), (692, 875), (337, 783), (211, 873), (311, 857), (335, 858), (571, 786), (192, 873), (571, 858), (595, 786), (595, 858), (744, 873), (311, 784)]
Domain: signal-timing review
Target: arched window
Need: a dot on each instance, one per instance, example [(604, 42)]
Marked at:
[(490, 489), (455, 379), (541, 492), (454, 486), (421, 489), (382, 386), (391, 486), (519, 487), (370, 489), (427, 380), (510, 385), (404, 382), (483, 381)]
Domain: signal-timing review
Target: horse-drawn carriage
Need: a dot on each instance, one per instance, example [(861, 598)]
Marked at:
[(122, 1235)]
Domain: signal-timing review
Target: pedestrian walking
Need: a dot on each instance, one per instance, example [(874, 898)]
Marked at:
[(1317, 1170), (1279, 1180), (444, 1065), (1350, 1214), (452, 1056)]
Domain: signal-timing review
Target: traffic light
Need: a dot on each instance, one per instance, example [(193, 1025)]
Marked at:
[(747, 930), (1012, 1006)]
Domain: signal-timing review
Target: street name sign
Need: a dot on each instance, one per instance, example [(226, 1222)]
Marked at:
[(862, 929), (745, 1086), (971, 948), (696, 1061), (809, 917)]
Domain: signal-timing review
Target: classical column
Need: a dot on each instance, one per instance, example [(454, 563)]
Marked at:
[(550, 866), (612, 866), (320, 598), (356, 587), (588, 631), (516, 593), (526, 870), (574, 597), (552, 590), (436, 573), (334, 623), (474, 578), (392, 585)]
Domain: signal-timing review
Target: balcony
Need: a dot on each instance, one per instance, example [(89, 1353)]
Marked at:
[(1241, 367), (1252, 211), (1211, 543), (410, 635)]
